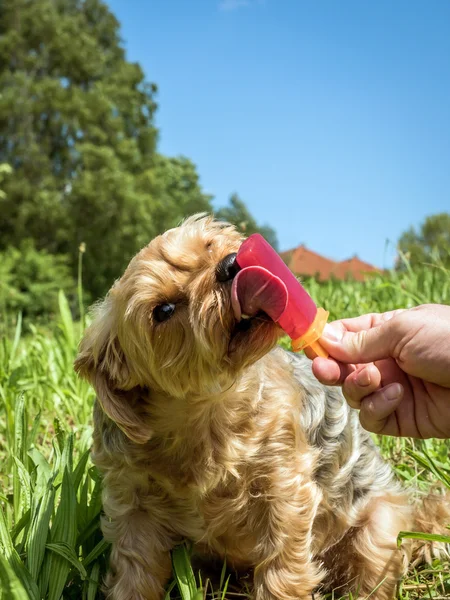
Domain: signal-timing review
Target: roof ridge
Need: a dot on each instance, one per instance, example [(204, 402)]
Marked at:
[(321, 256)]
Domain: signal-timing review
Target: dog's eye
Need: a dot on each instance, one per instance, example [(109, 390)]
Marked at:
[(163, 312)]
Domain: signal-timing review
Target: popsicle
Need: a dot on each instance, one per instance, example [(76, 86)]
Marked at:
[(265, 283)]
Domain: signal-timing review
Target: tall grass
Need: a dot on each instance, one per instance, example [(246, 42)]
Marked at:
[(50, 542)]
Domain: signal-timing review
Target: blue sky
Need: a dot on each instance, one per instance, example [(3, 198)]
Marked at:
[(330, 118)]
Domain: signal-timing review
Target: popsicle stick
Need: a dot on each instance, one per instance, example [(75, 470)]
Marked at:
[(319, 349)]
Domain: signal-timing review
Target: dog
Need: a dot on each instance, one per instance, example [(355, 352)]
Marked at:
[(205, 429)]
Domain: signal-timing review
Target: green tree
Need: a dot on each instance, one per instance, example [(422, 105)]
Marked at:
[(5, 170), (69, 102), (175, 188), (116, 213), (429, 244), (76, 127), (237, 213), (30, 280)]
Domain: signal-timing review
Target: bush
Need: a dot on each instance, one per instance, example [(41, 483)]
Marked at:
[(30, 280)]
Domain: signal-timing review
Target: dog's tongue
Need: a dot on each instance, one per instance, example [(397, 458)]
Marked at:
[(257, 289)]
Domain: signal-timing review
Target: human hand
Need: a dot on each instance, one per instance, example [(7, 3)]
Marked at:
[(394, 367)]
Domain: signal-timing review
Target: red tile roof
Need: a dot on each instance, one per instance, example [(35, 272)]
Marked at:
[(303, 261)]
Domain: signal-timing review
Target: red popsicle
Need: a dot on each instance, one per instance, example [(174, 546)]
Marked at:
[(266, 283)]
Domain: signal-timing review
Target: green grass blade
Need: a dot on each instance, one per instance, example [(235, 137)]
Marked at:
[(19, 432), (83, 507), (184, 575), (88, 531), (19, 426), (94, 581), (32, 435), (20, 525), (169, 589), (80, 470), (99, 549), (63, 530), (66, 320), (223, 573), (95, 505), (42, 467), (225, 588), (44, 576), (426, 461), (14, 560), (25, 485), (67, 454), (16, 340), (68, 553), (419, 535), (12, 588), (39, 530)]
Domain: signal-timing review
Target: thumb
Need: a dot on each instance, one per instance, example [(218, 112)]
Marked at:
[(362, 346)]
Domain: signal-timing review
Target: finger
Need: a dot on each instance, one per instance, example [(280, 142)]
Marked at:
[(367, 321), (367, 345), (361, 383), (377, 412), (330, 372)]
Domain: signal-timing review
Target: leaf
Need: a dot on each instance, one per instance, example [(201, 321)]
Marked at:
[(39, 530), (12, 588), (418, 535), (80, 469), (67, 454), (225, 588), (21, 524), (32, 435), (19, 425), (63, 530), (183, 572), (18, 478), (95, 505), (426, 461), (14, 560), (98, 550), (88, 531), (169, 589), (15, 345), (94, 580), (68, 553), (25, 481), (42, 467), (66, 319), (223, 573)]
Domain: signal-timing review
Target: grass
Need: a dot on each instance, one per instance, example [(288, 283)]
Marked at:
[(50, 542)]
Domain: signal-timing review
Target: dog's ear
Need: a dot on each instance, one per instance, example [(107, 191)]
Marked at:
[(103, 363)]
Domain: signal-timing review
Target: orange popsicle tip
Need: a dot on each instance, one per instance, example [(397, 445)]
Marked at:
[(310, 339)]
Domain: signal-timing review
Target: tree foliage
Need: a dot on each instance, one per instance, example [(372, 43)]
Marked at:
[(30, 280), (77, 128), (237, 213), (429, 244)]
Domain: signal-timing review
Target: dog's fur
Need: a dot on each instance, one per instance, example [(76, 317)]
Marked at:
[(206, 431)]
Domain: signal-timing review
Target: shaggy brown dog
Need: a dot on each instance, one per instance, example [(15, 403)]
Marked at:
[(204, 431)]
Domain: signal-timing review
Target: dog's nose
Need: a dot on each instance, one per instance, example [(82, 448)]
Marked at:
[(227, 268)]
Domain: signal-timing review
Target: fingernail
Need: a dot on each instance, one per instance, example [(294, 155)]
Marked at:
[(332, 333), (363, 378), (393, 392)]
